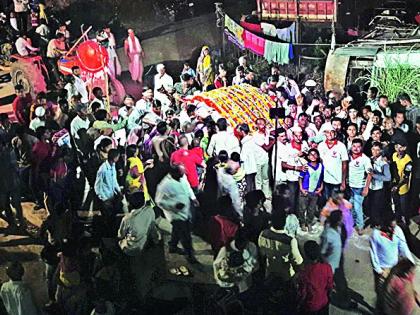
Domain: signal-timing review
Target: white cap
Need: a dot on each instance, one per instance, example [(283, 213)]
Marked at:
[(40, 111), (202, 112), (327, 127), (295, 129), (159, 67), (310, 83)]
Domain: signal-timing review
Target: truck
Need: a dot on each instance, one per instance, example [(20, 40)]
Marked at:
[(389, 40)]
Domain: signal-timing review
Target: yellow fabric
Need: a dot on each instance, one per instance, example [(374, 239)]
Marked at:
[(205, 68), (401, 164), (70, 278), (133, 183), (42, 14)]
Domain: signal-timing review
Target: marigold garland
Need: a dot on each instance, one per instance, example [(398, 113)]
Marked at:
[(238, 103)]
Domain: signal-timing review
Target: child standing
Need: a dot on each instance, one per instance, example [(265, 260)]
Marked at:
[(311, 186)]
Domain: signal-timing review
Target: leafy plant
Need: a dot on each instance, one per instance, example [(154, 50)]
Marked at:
[(395, 78)]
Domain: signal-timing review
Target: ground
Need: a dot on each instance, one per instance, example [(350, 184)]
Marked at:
[(24, 248)]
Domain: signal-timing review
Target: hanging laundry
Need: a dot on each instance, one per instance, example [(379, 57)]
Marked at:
[(269, 29), (277, 52), (291, 52), (234, 32), (254, 43), (254, 28), (287, 34)]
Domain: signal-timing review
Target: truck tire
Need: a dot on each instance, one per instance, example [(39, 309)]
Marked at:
[(29, 76)]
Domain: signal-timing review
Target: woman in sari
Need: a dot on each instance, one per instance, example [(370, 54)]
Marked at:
[(205, 68), (135, 180)]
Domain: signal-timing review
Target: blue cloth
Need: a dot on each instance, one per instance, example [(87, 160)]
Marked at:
[(331, 247), (291, 53), (357, 202), (312, 178), (385, 252), (106, 184)]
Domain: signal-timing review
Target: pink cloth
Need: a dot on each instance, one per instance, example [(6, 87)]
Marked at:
[(254, 28), (134, 50), (254, 43), (136, 67)]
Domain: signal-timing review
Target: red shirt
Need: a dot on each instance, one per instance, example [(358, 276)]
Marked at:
[(222, 231), (190, 159), (41, 152), (315, 282), (20, 106), (218, 83)]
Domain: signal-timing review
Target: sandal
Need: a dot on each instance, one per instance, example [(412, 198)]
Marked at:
[(185, 271), (175, 272)]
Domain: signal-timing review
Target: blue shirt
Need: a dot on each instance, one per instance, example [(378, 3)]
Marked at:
[(331, 247), (313, 177), (385, 252), (106, 184)]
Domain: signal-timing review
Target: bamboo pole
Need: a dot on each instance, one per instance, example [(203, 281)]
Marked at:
[(78, 41)]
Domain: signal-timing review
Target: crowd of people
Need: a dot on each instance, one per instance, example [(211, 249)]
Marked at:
[(108, 173)]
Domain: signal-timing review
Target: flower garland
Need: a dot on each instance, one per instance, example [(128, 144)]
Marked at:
[(238, 103)]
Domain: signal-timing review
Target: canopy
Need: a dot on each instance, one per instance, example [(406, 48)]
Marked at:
[(238, 103)]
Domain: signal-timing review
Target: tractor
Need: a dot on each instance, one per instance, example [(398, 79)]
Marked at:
[(89, 55)]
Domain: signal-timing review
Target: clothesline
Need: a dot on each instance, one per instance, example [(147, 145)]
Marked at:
[(272, 51)]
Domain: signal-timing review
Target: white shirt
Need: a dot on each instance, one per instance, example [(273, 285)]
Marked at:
[(294, 159), (261, 140), (169, 193), (35, 123), (280, 176), (13, 24), (166, 81), (358, 169), (249, 155), (21, 5), (143, 105), (332, 159), (223, 141), (76, 124), (97, 100), (123, 112), (43, 31), (23, 47), (17, 298), (80, 86)]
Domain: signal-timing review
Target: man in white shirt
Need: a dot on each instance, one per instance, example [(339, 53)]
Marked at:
[(114, 64), (248, 157), (262, 139), (223, 140), (21, 10), (99, 97), (279, 174), (80, 85), (162, 80), (44, 33), (334, 157), (296, 150), (80, 121), (175, 195), (360, 169), (141, 112), (23, 46), (16, 295)]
